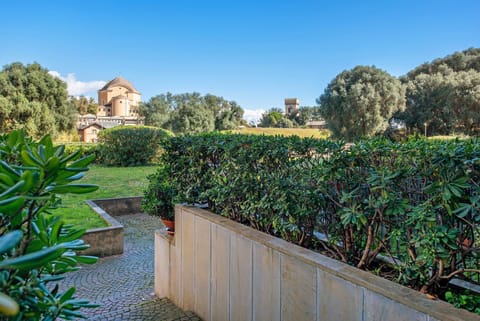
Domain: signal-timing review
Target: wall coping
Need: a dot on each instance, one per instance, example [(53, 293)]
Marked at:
[(112, 223), (413, 299)]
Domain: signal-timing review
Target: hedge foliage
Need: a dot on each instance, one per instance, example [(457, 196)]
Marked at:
[(85, 149), (416, 203), (130, 145)]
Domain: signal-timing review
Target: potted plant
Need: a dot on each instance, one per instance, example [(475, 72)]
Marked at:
[(159, 198)]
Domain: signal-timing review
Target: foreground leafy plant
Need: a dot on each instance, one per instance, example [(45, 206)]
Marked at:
[(37, 249)]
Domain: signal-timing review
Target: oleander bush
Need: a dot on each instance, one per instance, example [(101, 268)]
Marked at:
[(36, 248), (415, 204), (130, 145)]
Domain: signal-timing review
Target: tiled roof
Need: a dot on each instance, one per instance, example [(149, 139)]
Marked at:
[(119, 81)]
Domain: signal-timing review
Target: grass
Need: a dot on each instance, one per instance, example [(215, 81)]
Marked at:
[(301, 132), (112, 182)]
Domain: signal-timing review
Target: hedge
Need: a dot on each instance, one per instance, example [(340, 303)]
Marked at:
[(130, 145), (415, 203)]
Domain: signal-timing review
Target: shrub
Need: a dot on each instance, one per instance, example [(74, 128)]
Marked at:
[(85, 149), (159, 197), (251, 179), (37, 249), (130, 145), (416, 202)]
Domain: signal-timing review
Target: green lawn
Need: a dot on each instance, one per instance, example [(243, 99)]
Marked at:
[(112, 182)]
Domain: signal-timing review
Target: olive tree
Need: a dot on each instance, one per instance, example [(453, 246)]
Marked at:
[(360, 102), (446, 102)]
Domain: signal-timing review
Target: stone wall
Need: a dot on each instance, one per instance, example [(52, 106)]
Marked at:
[(223, 270)]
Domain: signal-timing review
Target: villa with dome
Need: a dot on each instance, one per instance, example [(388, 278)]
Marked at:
[(118, 98), (118, 103)]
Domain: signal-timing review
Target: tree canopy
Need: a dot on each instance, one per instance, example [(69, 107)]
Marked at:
[(444, 95), (84, 105), (360, 102), (31, 98), (274, 118), (305, 114), (445, 102), (191, 113), (458, 61)]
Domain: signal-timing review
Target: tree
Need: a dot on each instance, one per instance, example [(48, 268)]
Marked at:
[(191, 112), (191, 118), (26, 91), (458, 61), (446, 102), (305, 114), (272, 118), (156, 110), (360, 102), (84, 105), (228, 114), (443, 95)]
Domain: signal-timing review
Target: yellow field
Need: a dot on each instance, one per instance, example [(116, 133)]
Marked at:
[(448, 137), (301, 132)]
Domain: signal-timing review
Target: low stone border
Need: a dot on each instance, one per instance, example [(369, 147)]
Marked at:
[(107, 241)]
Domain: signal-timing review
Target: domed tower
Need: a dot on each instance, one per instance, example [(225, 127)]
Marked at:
[(118, 98)]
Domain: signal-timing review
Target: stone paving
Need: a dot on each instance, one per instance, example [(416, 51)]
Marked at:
[(123, 284)]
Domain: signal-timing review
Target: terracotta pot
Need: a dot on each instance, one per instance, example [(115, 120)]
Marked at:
[(170, 226)]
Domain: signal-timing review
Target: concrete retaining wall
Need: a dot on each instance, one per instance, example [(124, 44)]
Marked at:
[(119, 206), (107, 241), (223, 270)]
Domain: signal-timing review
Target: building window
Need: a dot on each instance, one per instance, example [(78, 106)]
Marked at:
[(94, 131)]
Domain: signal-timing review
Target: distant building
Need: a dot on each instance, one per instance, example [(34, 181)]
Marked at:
[(291, 105), (118, 98), (89, 132), (318, 124), (118, 103)]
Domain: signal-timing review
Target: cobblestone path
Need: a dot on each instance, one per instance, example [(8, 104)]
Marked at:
[(123, 284)]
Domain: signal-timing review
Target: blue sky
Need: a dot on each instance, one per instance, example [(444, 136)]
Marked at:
[(253, 52)]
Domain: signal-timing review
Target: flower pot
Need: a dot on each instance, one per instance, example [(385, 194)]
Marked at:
[(170, 226)]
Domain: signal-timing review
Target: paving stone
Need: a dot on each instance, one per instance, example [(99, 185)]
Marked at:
[(123, 284)]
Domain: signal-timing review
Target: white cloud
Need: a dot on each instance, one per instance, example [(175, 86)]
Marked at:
[(76, 87), (253, 115)]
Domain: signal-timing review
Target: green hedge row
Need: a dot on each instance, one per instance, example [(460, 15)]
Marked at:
[(130, 145), (86, 149), (416, 203)]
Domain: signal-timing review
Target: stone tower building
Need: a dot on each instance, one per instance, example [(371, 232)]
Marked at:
[(291, 105)]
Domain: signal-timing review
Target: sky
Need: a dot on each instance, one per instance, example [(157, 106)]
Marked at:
[(256, 53)]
